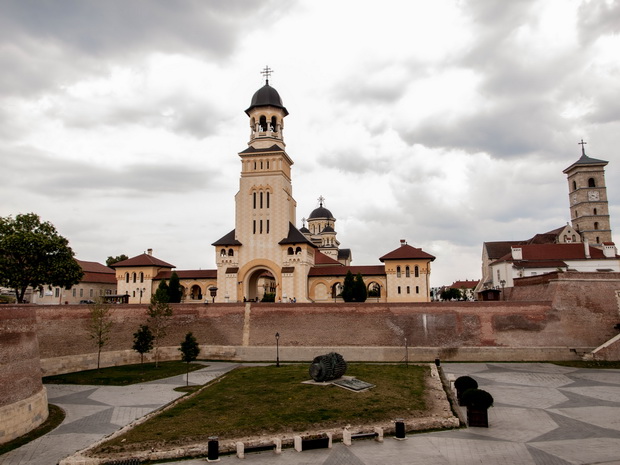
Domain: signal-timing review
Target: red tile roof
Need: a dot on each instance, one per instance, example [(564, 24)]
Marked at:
[(96, 273), (142, 260), (575, 251), (370, 270), (188, 274), (467, 284), (406, 252), (320, 259)]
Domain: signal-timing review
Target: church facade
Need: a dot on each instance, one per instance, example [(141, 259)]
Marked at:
[(266, 253)]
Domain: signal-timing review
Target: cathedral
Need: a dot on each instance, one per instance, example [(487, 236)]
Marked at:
[(266, 253)]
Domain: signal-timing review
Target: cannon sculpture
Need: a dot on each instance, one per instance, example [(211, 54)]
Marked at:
[(328, 367)]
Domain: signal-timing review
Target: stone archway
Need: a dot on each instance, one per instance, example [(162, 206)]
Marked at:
[(258, 282)]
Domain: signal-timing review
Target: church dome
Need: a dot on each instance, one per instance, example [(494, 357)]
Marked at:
[(266, 96), (320, 212)]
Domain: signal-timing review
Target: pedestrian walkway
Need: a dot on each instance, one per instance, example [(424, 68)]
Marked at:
[(543, 414)]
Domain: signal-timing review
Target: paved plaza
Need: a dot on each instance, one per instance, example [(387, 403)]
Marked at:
[(543, 414)]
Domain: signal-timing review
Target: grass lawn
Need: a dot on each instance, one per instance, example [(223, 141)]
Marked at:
[(588, 364), (124, 375), (270, 400)]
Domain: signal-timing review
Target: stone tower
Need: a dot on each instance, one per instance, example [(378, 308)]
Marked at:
[(588, 198), (265, 252)]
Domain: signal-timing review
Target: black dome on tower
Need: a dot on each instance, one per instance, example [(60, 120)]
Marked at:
[(266, 96), (320, 212)]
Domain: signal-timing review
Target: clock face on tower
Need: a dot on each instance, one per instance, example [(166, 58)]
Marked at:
[(593, 196)]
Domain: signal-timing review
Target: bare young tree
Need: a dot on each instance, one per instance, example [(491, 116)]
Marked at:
[(100, 326), (159, 314)]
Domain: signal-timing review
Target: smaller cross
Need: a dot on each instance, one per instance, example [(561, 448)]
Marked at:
[(583, 149), (321, 200), (267, 73), (303, 221)]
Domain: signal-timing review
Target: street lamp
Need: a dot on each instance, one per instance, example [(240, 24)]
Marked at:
[(503, 283), (141, 291), (277, 349), (213, 291)]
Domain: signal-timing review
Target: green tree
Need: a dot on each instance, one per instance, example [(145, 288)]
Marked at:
[(112, 260), (175, 292), (347, 287), (159, 314), (189, 352), (450, 293), (33, 254), (99, 326), (143, 341), (359, 289), (162, 292)]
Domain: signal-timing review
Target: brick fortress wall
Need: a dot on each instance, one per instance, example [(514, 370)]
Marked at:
[(560, 315), (23, 399)]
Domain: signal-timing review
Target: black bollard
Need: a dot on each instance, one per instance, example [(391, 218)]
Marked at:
[(213, 449), (437, 362), (399, 432)]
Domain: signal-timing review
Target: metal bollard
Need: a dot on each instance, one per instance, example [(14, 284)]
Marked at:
[(399, 432), (213, 449)]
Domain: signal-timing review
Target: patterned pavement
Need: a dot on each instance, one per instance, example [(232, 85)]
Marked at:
[(543, 415)]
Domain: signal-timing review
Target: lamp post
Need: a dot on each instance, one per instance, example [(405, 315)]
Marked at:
[(141, 291), (277, 349), (503, 283), (213, 291)]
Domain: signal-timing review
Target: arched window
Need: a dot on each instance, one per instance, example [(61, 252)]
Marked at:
[(574, 238), (595, 211), (254, 195), (596, 225), (290, 251), (574, 185), (298, 250), (141, 277), (374, 290), (231, 253), (417, 289), (267, 227), (263, 123), (126, 277), (407, 273), (416, 272), (398, 274), (273, 123), (133, 277), (223, 253), (591, 182), (267, 191)]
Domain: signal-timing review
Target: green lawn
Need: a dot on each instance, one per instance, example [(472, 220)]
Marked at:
[(124, 375), (270, 400)]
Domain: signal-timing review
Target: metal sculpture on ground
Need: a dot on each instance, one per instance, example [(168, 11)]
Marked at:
[(328, 367)]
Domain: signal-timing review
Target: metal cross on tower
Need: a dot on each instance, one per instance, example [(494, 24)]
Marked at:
[(267, 73), (583, 149)]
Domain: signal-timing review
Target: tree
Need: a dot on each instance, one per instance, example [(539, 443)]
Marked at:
[(143, 341), (33, 254), (189, 352), (112, 260), (450, 293), (99, 326), (162, 291), (347, 287), (159, 314), (359, 289), (175, 292)]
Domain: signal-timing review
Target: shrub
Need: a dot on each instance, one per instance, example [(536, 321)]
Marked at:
[(477, 399), (463, 383)]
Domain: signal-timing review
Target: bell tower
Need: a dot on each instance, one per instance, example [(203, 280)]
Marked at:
[(588, 198)]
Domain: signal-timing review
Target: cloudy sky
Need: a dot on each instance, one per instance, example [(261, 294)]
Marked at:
[(445, 123)]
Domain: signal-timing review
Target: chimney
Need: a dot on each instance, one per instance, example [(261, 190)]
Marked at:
[(586, 247), (609, 250), (149, 251), (517, 253), (403, 242)]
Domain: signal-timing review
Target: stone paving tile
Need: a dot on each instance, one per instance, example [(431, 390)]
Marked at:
[(526, 379), (534, 367), (58, 394), (592, 395), (516, 424), (527, 397), (122, 416), (542, 458), (569, 428), (599, 376), (603, 417), (583, 451), (467, 452)]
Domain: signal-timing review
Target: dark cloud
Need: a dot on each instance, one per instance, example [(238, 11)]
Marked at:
[(28, 170), (596, 19), (47, 43)]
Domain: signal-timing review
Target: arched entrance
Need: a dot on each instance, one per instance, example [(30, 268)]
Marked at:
[(260, 284)]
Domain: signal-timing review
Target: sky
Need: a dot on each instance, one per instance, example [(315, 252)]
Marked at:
[(444, 123)]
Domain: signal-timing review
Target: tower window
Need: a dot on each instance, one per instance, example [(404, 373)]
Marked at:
[(290, 251), (417, 289), (261, 200), (141, 277), (273, 123), (595, 211), (596, 226), (231, 252), (416, 272), (254, 195), (399, 289), (253, 226), (267, 191), (267, 227), (591, 182), (133, 277), (261, 227), (263, 123), (574, 185), (407, 274), (126, 277)]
